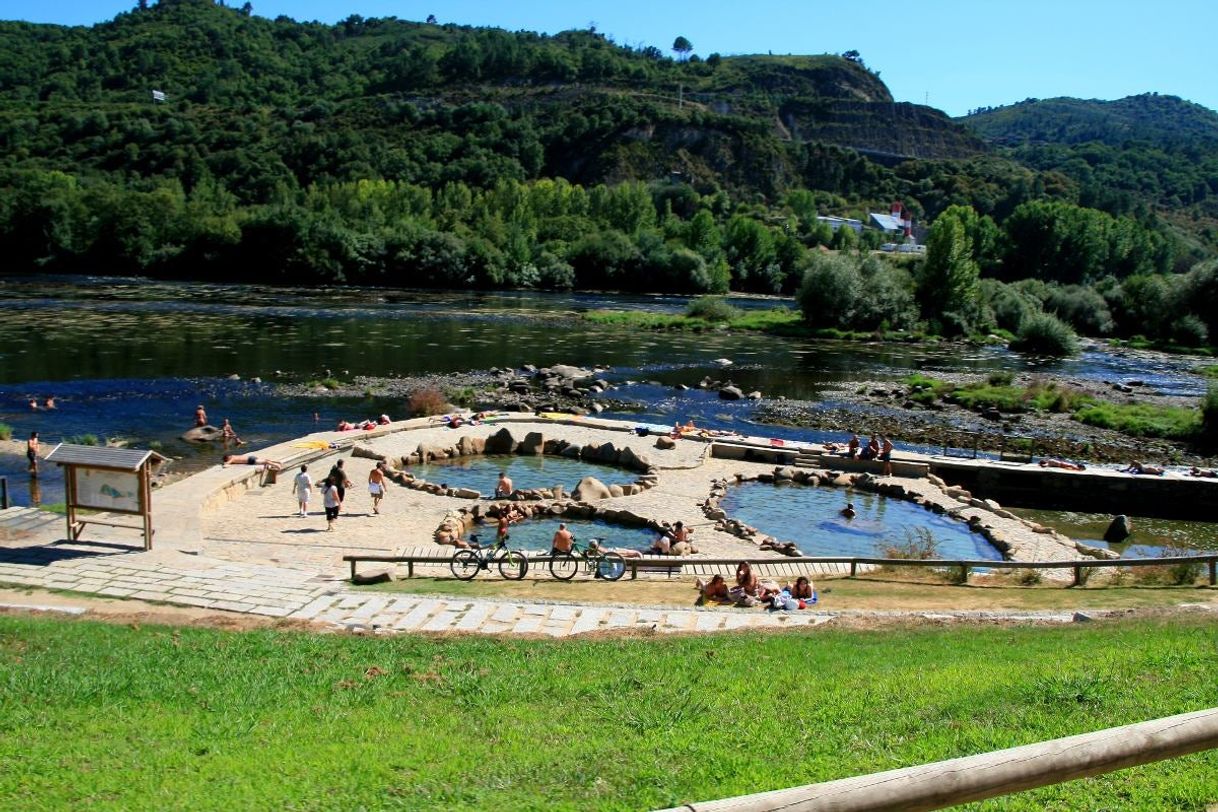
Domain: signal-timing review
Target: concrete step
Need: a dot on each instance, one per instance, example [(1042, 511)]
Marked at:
[(20, 520)]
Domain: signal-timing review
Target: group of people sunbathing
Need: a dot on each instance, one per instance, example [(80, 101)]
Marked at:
[(691, 430), (750, 590), (1135, 467), (366, 425)]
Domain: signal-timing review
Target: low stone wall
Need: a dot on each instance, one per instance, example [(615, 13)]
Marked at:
[(750, 453), (1090, 491), (1017, 539), (457, 523)]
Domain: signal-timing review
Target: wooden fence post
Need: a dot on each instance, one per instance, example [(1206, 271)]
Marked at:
[(989, 775)]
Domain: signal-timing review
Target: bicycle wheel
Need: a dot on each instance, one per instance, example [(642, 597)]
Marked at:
[(611, 566), (464, 565), (513, 565), (563, 566)]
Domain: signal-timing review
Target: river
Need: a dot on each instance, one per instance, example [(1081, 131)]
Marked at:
[(131, 358)]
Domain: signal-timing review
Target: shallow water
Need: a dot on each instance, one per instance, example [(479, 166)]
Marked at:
[(481, 473), (810, 516), (1152, 538), (537, 534)]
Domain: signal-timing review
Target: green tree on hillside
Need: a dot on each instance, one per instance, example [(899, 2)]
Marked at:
[(682, 47), (948, 283)]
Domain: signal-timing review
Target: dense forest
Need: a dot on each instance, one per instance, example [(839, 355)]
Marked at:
[(189, 139)]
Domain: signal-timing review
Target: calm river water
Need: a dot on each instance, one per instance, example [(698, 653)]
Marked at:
[(132, 358)]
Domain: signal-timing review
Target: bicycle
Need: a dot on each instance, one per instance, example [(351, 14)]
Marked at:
[(466, 564), (600, 564)]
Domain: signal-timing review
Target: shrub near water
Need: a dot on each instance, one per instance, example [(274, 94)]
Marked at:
[(1209, 418), (1143, 420), (1045, 334), (6, 431), (427, 403), (711, 308)]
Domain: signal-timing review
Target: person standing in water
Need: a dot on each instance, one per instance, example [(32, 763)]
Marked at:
[(200, 416), (31, 453)]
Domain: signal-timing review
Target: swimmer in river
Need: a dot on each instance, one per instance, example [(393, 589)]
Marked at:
[(848, 511), (200, 416)]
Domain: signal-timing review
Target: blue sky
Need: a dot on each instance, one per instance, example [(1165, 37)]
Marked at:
[(956, 54)]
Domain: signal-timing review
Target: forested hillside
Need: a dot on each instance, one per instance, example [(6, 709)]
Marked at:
[(391, 152), (1127, 156)]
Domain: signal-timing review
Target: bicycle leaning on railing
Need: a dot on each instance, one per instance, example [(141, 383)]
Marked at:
[(595, 561), (466, 564)]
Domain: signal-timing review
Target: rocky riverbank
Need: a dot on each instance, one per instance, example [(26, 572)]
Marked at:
[(885, 407), (865, 406)]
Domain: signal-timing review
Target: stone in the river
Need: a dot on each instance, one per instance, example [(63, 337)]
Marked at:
[(591, 489), (1119, 530)]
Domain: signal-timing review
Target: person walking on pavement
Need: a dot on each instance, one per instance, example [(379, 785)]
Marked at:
[(304, 488), (339, 477)]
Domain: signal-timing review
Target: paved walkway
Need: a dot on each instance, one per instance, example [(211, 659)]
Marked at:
[(281, 592), (301, 594)]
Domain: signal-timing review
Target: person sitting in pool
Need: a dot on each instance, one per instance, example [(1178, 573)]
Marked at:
[(848, 511), (562, 541), (252, 459), (713, 590), (1138, 468), (507, 516), (1052, 462), (227, 432), (504, 488)]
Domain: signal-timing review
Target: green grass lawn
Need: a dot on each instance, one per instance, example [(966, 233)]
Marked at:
[(116, 717)]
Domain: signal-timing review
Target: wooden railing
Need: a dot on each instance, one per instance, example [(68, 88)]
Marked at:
[(1081, 567), (974, 778)]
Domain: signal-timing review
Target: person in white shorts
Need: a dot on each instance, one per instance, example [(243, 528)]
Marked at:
[(376, 486), (304, 488)]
